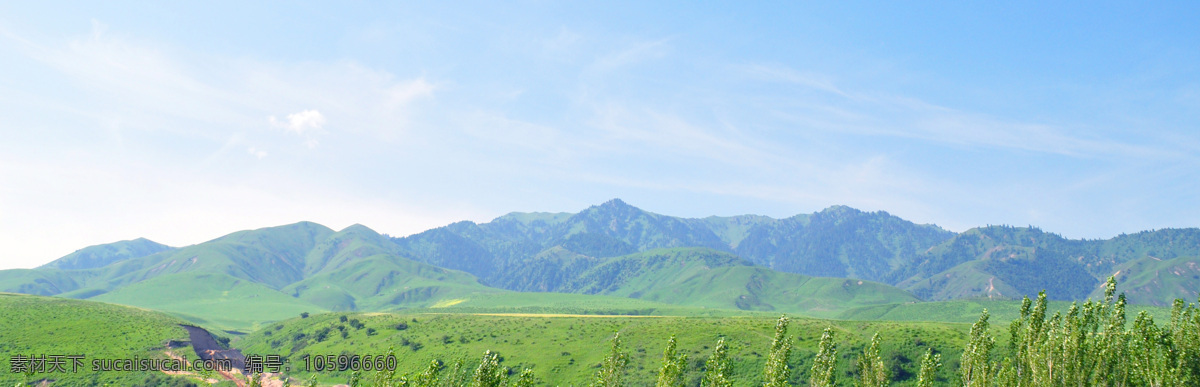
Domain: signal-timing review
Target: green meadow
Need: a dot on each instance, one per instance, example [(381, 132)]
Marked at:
[(37, 326), (967, 311), (566, 350)]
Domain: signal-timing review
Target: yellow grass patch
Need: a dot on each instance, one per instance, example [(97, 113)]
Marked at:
[(448, 303)]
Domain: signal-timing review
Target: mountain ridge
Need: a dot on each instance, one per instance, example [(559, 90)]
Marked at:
[(617, 249), (838, 241)]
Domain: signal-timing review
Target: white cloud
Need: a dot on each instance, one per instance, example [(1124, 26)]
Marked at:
[(154, 87), (183, 119), (307, 124)]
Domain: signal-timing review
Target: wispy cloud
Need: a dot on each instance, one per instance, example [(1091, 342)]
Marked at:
[(182, 120), (159, 88), (259, 153), (561, 42), (779, 73), (879, 114), (635, 53)]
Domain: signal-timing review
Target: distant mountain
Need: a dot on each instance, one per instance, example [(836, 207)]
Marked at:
[(539, 251), (271, 272), (816, 263), (1010, 262), (251, 276), (1157, 281), (92, 257), (841, 242), (716, 279), (837, 242)]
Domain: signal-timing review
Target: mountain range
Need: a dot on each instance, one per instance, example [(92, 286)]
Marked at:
[(817, 263), (543, 251)]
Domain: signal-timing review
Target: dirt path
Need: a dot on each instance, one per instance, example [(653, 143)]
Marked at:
[(207, 349)]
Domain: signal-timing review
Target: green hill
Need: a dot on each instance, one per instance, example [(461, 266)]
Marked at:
[(254, 276), (42, 282), (715, 279), (92, 257), (1156, 281), (211, 299), (38, 326), (383, 281), (520, 303), (1011, 262)]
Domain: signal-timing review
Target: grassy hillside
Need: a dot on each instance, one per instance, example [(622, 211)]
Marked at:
[(384, 281), (548, 271), (575, 304), (271, 256), (715, 279), (102, 255), (255, 276), (565, 350), (42, 282), (214, 300), (965, 281), (1004, 261), (1157, 281), (35, 325)]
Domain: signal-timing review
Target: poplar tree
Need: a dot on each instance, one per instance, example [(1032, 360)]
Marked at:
[(930, 365), (489, 373), (871, 370), (429, 377), (777, 371), (717, 370), (671, 373), (975, 366), (384, 377), (613, 366), (1091, 346), (822, 373), (525, 379), (457, 375)]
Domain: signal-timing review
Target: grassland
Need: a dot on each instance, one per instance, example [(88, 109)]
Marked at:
[(967, 311), (567, 303), (36, 325), (212, 300), (565, 350)]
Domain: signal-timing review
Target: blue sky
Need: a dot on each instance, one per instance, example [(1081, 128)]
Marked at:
[(183, 122)]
